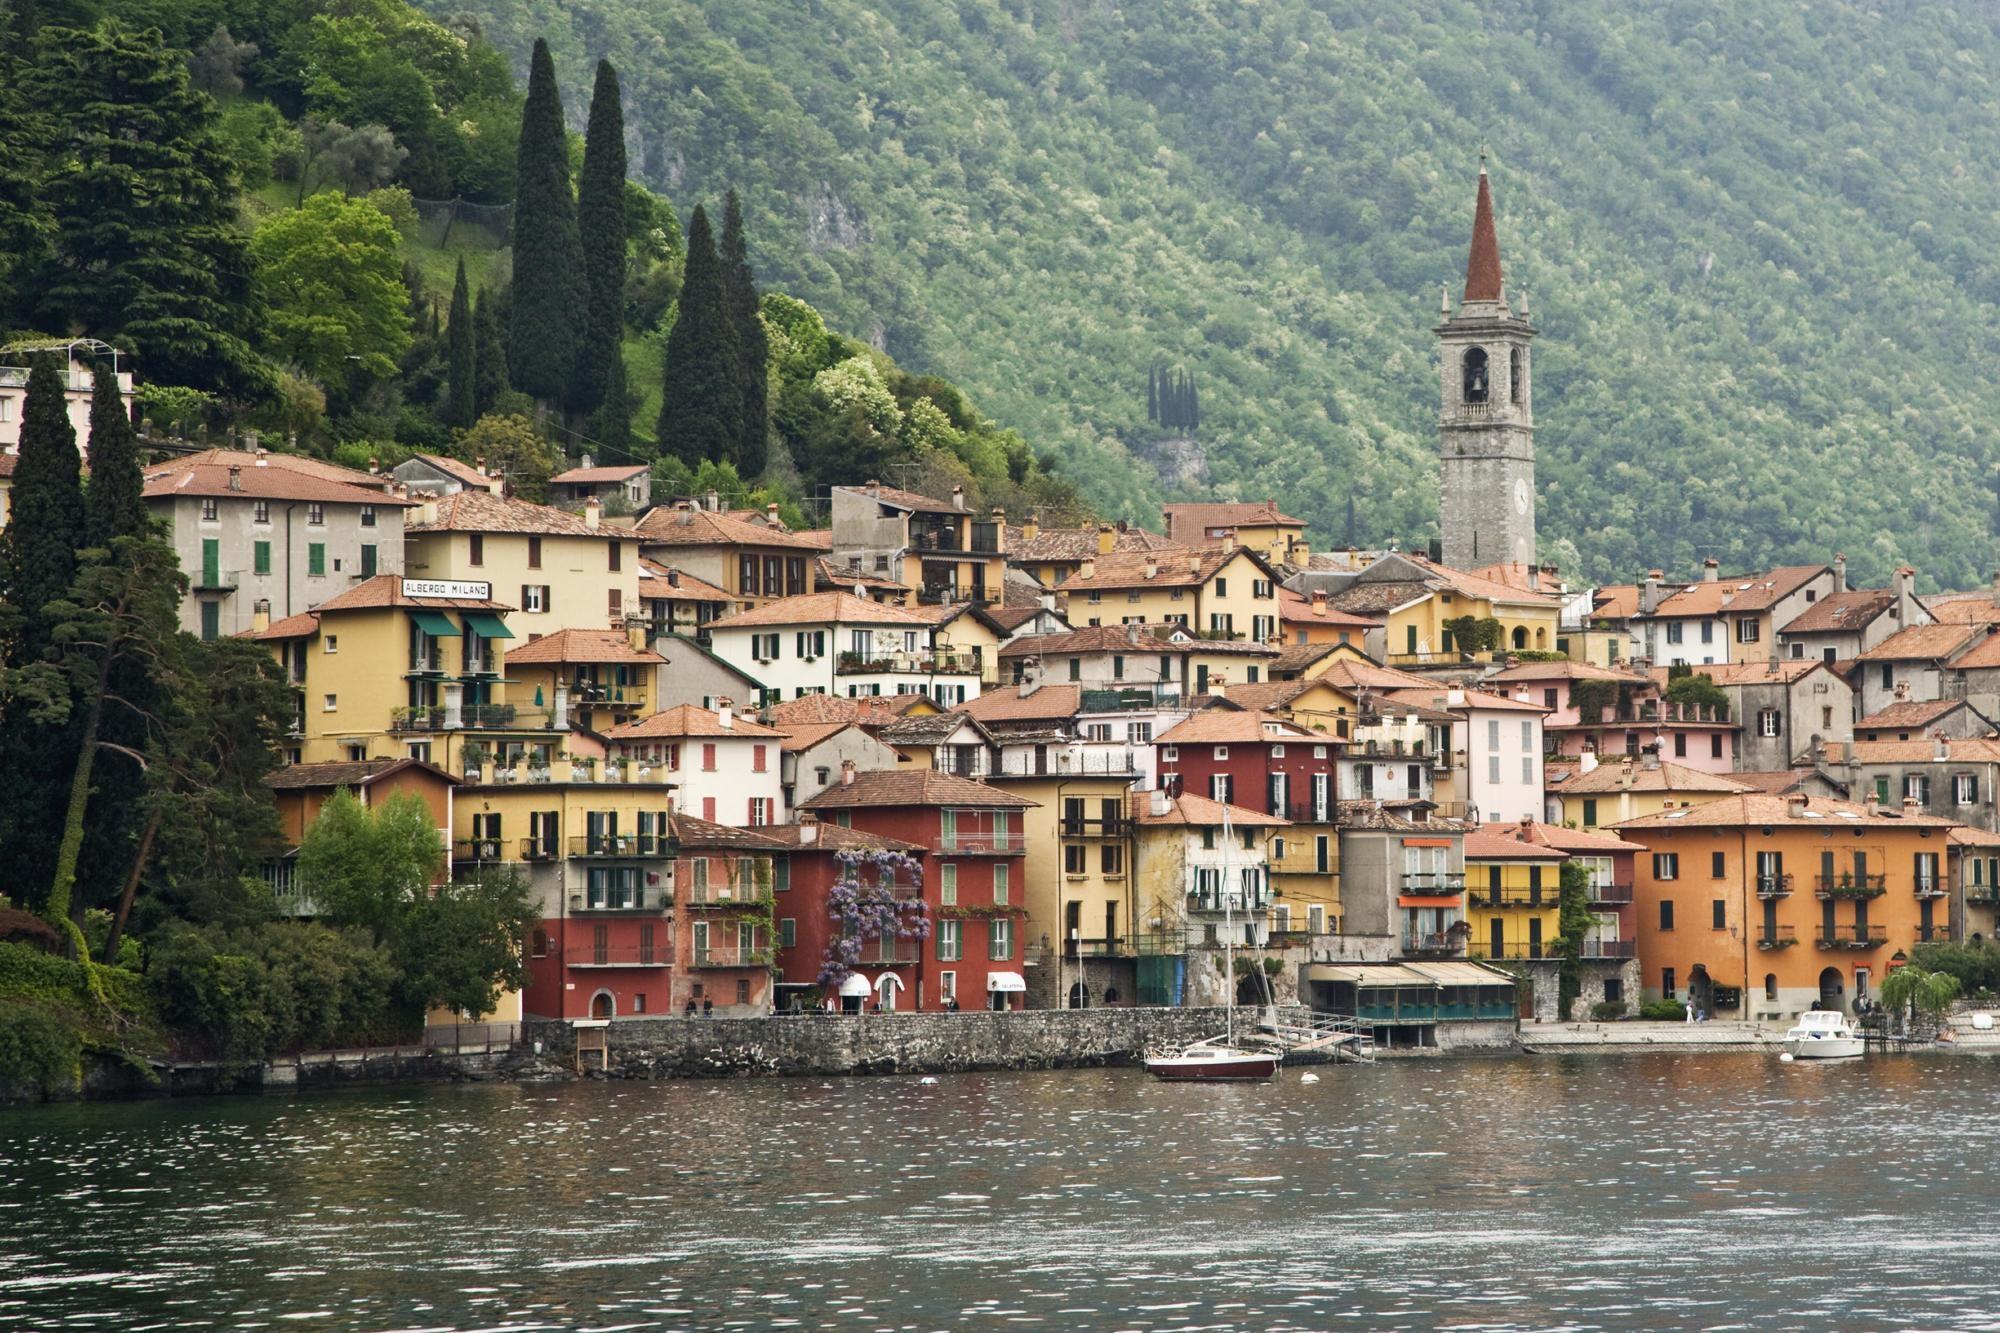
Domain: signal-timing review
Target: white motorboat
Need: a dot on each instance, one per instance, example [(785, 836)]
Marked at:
[(1823, 1035)]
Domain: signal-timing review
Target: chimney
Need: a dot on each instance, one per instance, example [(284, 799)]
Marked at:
[(1902, 691), (847, 772), (873, 487), (1218, 685), (260, 619), (1152, 568), (635, 636), (673, 578), (1031, 526), (1586, 762), (1087, 570), (1772, 669), (714, 499), (1711, 570), (1906, 585), (1649, 592), (1941, 747), (427, 512), (1649, 758), (684, 514), (1996, 588), (1194, 564), (1795, 805), (235, 477), (593, 513), (1302, 555), (1912, 806), (771, 514), (586, 462), (1132, 633), (1319, 601), (808, 829), (1534, 578), (725, 712), (1107, 539), (1840, 573), (1869, 802), (1159, 803), (1229, 541), (374, 466), (479, 465)]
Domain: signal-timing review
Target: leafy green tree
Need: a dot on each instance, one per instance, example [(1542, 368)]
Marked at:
[(145, 242), (114, 506), (701, 401), (1909, 992), (513, 449), (355, 159), (331, 274), (1698, 690), (550, 289), (600, 208), (462, 406), (1574, 922), (366, 867), (460, 947), (753, 350)]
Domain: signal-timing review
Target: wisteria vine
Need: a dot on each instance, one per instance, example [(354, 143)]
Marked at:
[(864, 906)]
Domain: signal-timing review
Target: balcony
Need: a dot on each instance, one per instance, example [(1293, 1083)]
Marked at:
[(1934, 934), (620, 845), (1116, 946), (480, 849), (719, 897), (1930, 888), (1510, 953), (1608, 949), (889, 953), (1095, 828), (1777, 937), (1771, 887), (1983, 895), (1543, 901), (1002, 844), (908, 664), (471, 717), (1611, 894), (733, 956), (216, 580), (1853, 937), (1132, 699), (619, 955), (1451, 944), (590, 694), (625, 898), (1447, 884), (1850, 886), (1212, 902), (1107, 763)]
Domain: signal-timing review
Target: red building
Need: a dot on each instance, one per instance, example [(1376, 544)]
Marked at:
[(884, 970), (1252, 759), (973, 889)]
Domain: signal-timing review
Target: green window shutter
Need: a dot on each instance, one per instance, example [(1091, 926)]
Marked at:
[(211, 621), (211, 562), (368, 562), (1590, 814), (261, 557), (316, 559)]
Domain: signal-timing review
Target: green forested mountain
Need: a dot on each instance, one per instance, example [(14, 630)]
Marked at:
[(1762, 239)]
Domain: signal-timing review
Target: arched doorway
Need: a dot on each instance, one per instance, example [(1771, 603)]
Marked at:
[(887, 987), (1520, 636), (1079, 995), (1832, 990), (854, 993), (602, 1005), (1701, 990)]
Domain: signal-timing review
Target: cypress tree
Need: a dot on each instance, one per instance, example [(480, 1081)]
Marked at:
[(700, 402), (489, 351), (38, 549), (546, 321), (113, 506), (600, 219), (462, 400), (1152, 394), (753, 349)]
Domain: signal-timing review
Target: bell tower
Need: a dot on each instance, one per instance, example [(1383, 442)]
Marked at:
[(1486, 423)]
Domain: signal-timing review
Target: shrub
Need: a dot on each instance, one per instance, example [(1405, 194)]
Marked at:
[(1663, 1011), (281, 986), (1606, 1010), (39, 1046)]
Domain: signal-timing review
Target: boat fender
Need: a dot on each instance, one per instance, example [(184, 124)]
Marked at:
[(1308, 1078), (1786, 1058), (927, 1081)]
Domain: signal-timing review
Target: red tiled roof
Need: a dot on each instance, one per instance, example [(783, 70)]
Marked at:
[(464, 471), (880, 787), (1227, 726), (688, 526), (1921, 643), (1197, 519), (1170, 569), (889, 495), (691, 720), (1759, 808), (386, 590), (1296, 610), (1009, 705), (869, 712), (1610, 777), (1757, 592), (1909, 713), (482, 511), (346, 773), (592, 476), (664, 583), (835, 838), (819, 608), (1200, 812), (581, 645), (1485, 844), (691, 832), (1482, 262), (1070, 545), (261, 477), (1841, 611)]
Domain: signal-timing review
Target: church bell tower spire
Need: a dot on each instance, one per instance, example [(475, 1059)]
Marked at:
[(1486, 422)]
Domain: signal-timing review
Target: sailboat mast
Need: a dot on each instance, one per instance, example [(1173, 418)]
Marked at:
[(1228, 938)]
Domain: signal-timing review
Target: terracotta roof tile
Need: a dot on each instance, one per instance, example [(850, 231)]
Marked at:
[(1728, 674), (1756, 592), (880, 787), (1841, 611), (386, 590), (1467, 699), (889, 495), (1070, 545), (1921, 643), (679, 526), (1394, 817), (482, 511), (581, 645), (1909, 714), (1984, 652), (660, 582), (1958, 750), (1226, 726), (804, 735), (691, 832), (1488, 843), (1009, 705), (1616, 601), (1966, 608), (829, 577), (1296, 610), (301, 626), (834, 838), (265, 477), (1199, 812), (869, 712), (819, 608), (1574, 841), (345, 773), (458, 468), (1757, 808), (1775, 781), (1196, 519), (1527, 671), (593, 476), (1610, 777), (1171, 569), (691, 720)]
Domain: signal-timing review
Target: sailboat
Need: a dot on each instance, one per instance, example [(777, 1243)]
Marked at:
[(1218, 1059)]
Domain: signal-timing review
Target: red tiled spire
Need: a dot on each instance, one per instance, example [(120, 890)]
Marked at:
[(1482, 266)]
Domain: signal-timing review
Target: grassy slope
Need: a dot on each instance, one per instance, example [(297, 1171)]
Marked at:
[(1760, 237)]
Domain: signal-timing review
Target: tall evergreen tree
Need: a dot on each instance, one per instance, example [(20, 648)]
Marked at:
[(1152, 393), (701, 403), (462, 390), (45, 518), (489, 350), (142, 201), (114, 505), (24, 221), (546, 321), (753, 349), (600, 220)]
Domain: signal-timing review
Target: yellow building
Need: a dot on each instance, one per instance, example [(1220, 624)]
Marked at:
[(1222, 592), (1053, 555), (560, 571), (1616, 791), (1424, 606), (597, 678), (749, 556), (1081, 918), (1512, 897), (938, 547), (1260, 527)]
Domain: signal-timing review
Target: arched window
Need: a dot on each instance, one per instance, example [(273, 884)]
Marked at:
[(1517, 364), (1475, 375), (1520, 636), (1770, 985)]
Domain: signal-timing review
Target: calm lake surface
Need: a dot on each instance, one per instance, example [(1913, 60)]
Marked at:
[(1651, 1192)]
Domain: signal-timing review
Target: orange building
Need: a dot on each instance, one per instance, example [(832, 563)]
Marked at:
[(1757, 906)]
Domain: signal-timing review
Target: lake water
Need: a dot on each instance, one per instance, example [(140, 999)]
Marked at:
[(1647, 1192)]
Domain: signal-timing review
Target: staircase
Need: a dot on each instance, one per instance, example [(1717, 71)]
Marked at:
[(1293, 1027)]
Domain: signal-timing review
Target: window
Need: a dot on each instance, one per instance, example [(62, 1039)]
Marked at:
[(614, 603), (1492, 733), (1000, 885), (1472, 377), (331, 643), (1798, 651), (1549, 699), (211, 621), (1218, 787), (1917, 787), (260, 557), (210, 511), (1493, 769), (708, 757), (758, 760), (316, 560), (948, 885), (368, 562), (260, 512), (1715, 746), (1221, 753), (949, 936), (1000, 940), (1718, 865), (1170, 753), (1528, 737), (1589, 813), (331, 704), (534, 553), (1222, 587), (1075, 859), (1747, 630), (1111, 859), (1719, 914), (315, 515), (1680, 745), (617, 551), (1674, 631), (788, 932), (1667, 982), (367, 516), (760, 811), (1965, 789), (1888, 675), (1667, 914), (1076, 668), (535, 597), (1666, 865), (476, 548), (1769, 722)]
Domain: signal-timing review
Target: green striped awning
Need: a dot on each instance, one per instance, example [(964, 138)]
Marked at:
[(433, 622)]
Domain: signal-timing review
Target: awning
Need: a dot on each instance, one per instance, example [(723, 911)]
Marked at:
[(1368, 976), (1463, 974), (1009, 982), (888, 981), (433, 622), (486, 625), (855, 987)]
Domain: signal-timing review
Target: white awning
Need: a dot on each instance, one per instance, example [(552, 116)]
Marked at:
[(888, 981), (855, 987), (1005, 981)]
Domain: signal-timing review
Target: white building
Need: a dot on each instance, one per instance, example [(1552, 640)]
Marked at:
[(1497, 770), (837, 643), (79, 379), (728, 769)]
